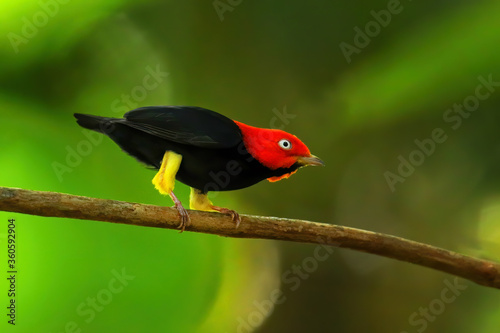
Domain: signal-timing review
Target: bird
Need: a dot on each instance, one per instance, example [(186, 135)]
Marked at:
[(202, 149)]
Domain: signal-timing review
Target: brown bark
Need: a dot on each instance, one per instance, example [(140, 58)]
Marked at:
[(483, 272)]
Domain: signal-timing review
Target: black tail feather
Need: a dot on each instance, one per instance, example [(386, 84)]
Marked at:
[(95, 123)]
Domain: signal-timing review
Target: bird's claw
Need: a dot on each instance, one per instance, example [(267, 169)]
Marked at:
[(183, 214), (234, 215)]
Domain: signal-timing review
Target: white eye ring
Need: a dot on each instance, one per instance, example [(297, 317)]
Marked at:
[(285, 144)]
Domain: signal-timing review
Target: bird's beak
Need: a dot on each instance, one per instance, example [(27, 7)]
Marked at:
[(310, 160)]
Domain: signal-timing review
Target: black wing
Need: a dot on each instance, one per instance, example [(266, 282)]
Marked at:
[(185, 124)]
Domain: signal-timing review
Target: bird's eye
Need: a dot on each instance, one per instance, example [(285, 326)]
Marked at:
[(285, 144)]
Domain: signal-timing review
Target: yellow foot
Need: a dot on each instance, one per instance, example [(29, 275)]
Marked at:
[(199, 201), (164, 182)]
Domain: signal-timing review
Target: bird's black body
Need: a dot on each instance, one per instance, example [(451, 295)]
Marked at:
[(214, 157)]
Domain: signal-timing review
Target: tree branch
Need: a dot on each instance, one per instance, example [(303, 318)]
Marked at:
[(53, 204)]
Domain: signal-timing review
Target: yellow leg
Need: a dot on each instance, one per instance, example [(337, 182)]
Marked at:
[(164, 182), (199, 201)]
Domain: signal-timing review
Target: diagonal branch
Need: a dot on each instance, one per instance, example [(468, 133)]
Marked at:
[(53, 204)]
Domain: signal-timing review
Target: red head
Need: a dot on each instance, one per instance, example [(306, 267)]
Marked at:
[(276, 148)]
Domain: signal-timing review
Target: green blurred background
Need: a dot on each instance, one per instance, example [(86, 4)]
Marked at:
[(360, 110)]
